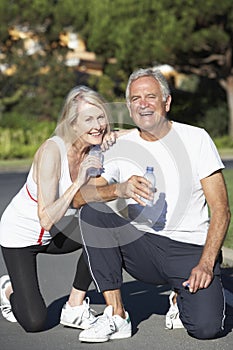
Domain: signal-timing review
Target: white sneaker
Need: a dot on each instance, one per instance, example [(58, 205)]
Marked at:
[(173, 316), (106, 327), (5, 305), (77, 317)]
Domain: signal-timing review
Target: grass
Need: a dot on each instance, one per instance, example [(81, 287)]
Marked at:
[(15, 164), (226, 153), (228, 174)]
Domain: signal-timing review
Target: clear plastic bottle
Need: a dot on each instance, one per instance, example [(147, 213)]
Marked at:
[(97, 152), (150, 176)]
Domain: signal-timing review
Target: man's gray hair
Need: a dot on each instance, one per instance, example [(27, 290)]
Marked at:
[(149, 72)]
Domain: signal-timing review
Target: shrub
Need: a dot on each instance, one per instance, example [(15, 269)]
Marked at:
[(215, 120), (224, 142), (23, 143)]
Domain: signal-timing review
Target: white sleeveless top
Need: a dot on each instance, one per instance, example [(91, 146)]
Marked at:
[(20, 226)]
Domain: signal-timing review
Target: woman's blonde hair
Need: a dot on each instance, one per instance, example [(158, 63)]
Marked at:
[(70, 111)]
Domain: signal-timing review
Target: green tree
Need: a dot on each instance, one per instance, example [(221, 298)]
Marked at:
[(29, 91), (193, 38), (183, 33)]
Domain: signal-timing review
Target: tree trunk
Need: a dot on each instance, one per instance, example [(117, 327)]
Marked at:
[(229, 93)]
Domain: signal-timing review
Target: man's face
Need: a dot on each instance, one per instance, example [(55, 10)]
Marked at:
[(147, 108)]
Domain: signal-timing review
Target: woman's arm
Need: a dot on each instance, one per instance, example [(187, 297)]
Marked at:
[(48, 167)]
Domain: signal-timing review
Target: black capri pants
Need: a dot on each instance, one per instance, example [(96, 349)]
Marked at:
[(26, 300), (112, 243)]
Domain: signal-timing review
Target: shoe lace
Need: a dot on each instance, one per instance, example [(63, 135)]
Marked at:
[(102, 321), (86, 312), (173, 312), (87, 307)]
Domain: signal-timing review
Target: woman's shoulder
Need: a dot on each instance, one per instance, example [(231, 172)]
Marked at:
[(49, 148)]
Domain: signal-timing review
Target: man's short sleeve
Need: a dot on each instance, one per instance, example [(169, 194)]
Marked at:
[(209, 160)]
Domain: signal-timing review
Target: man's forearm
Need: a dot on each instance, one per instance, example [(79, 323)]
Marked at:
[(216, 196), (91, 193), (215, 237)]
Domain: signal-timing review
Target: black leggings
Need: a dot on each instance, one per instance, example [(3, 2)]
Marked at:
[(26, 300)]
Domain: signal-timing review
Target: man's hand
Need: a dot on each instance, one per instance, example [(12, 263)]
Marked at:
[(135, 187), (99, 191), (200, 277)]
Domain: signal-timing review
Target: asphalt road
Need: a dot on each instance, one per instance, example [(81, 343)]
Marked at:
[(147, 305), (228, 163)]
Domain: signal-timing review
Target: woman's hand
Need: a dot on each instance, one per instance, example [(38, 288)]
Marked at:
[(108, 140), (89, 162)]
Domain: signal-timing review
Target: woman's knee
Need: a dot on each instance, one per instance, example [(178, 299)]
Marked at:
[(34, 322), (32, 318)]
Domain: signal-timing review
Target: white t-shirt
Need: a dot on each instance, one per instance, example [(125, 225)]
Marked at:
[(20, 225), (180, 160)]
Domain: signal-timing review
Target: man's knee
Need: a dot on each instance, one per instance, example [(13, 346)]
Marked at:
[(95, 212), (207, 330)]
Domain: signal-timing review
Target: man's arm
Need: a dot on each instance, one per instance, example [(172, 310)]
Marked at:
[(216, 195), (98, 190)]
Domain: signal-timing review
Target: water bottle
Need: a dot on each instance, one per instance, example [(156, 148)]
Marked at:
[(97, 152), (150, 176)]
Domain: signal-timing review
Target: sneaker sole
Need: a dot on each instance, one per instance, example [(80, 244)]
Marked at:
[(93, 340), (103, 340), (11, 319), (73, 325), (174, 326), (178, 326), (118, 335)]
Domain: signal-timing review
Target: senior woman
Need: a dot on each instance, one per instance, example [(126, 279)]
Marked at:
[(40, 218)]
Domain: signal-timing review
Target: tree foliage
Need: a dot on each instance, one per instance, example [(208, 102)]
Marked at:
[(193, 38), (183, 33)]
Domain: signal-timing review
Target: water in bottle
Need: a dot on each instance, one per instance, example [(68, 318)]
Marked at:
[(97, 152), (150, 176)]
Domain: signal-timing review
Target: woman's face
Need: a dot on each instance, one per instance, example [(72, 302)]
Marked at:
[(90, 124)]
